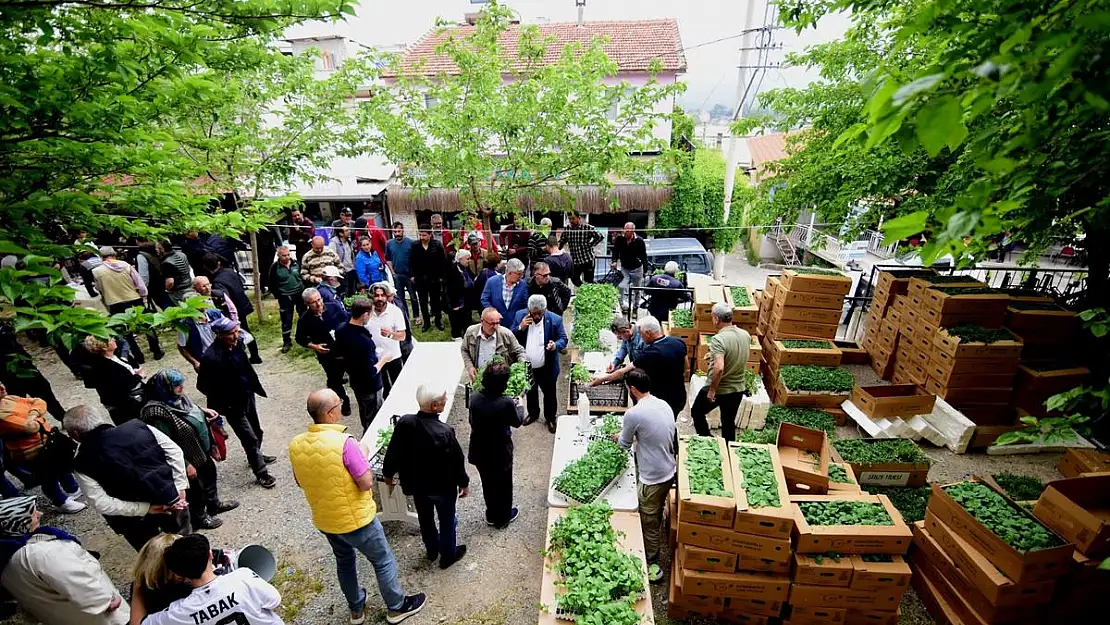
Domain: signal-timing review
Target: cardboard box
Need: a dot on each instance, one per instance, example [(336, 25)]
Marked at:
[(805, 615), (998, 589), (880, 402), (804, 329), (945, 369), (703, 604), (1078, 461), (829, 283), (944, 343), (851, 539), (852, 353), (808, 300), (733, 617), (807, 399), (872, 617), (835, 597), (828, 572), (797, 446), (727, 540), (803, 313), (760, 564), (776, 522), (919, 284), (886, 474), (702, 559), (880, 575), (735, 585), (882, 363), (780, 354), (742, 313), (898, 280), (763, 607), (928, 555), (705, 509), (1079, 510), (972, 379), (1020, 567), (958, 395), (935, 603)]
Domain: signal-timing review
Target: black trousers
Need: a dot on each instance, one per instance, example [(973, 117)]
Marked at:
[(203, 492), (334, 371), (390, 373), (430, 294), (543, 380), (497, 490), (243, 420), (137, 530), (582, 273), (729, 403), (252, 347), (288, 304), (459, 320)]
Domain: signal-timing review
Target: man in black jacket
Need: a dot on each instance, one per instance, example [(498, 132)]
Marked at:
[(553, 289), (229, 382), (231, 283), (133, 475), (426, 454), (631, 251), (429, 266), (355, 346), (664, 360), (314, 331)]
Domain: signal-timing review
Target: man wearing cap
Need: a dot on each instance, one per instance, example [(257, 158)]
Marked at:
[(661, 302), (230, 283), (228, 380), (345, 219), (49, 573), (314, 261), (329, 287)]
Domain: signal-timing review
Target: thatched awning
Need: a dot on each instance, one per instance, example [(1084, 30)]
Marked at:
[(591, 200)]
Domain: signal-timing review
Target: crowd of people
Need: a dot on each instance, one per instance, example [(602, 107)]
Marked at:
[(147, 458)]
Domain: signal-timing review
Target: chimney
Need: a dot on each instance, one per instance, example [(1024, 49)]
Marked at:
[(581, 4)]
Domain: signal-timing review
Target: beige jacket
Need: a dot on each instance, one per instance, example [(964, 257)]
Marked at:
[(59, 583), (506, 346)]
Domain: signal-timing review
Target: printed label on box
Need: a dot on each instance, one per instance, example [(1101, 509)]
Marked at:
[(884, 478)]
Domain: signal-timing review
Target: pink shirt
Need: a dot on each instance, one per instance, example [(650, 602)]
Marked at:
[(353, 458)]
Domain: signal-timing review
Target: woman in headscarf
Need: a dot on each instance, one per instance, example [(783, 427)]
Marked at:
[(50, 574), (175, 415), (154, 588)]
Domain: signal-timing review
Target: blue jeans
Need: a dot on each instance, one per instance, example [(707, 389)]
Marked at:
[(55, 487), (439, 540), (403, 283), (370, 540)]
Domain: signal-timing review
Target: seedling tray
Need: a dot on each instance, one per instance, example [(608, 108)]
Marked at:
[(945, 343), (607, 397), (600, 495), (852, 539), (776, 522), (780, 354), (1019, 566)]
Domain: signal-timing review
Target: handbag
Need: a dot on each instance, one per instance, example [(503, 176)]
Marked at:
[(218, 433), (58, 450)]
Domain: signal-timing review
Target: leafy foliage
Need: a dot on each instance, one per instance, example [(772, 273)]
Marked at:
[(593, 310), (519, 380), (835, 556), (777, 413), (817, 379), (883, 451), (740, 296), (698, 198), (1019, 487), (839, 475), (510, 127), (599, 582), (968, 333), (682, 318), (910, 501), (752, 382), (843, 512), (1050, 429), (384, 436), (580, 374), (585, 478), (1014, 526), (819, 271), (704, 467), (876, 557), (806, 344), (611, 425), (758, 479)]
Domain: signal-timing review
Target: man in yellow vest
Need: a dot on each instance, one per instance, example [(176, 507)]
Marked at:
[(332, 470)]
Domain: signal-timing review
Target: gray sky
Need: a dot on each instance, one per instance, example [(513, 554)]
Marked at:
[(711, 74)]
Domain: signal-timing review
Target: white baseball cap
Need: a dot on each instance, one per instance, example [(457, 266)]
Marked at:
[(332, 271)]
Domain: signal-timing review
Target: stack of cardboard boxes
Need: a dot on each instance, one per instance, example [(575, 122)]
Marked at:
[(1076, 509), (745, 315), (881, 335), (976, 378), (964, 573), (848, 574), (732, 560), (1045, 329)]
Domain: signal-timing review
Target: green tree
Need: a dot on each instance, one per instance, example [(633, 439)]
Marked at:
[(698, 198), (96, 99), (1017, 96), (505, 127)]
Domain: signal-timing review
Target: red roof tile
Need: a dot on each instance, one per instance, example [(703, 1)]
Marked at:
[(633, 44)]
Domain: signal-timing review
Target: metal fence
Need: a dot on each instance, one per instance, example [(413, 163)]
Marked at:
[(1059, 283)]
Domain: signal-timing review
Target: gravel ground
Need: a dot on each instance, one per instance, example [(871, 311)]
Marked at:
[(498, 581)]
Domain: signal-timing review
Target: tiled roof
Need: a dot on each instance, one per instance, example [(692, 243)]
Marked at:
[(633, 44), (767, 148)]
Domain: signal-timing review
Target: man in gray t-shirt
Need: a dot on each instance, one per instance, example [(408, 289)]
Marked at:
[(650, 423)]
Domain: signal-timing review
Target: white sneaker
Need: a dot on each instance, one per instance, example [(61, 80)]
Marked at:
[(72, 506)]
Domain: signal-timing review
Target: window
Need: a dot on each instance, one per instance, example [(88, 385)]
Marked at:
[(327, 61), (430, 101)]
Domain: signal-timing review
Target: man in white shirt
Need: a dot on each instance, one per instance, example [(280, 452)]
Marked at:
[(387, 326), (541, 332), (650, 424), (238, 598), (132, 474)]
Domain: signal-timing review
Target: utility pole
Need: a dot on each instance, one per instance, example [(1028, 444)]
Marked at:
[(761, 40)]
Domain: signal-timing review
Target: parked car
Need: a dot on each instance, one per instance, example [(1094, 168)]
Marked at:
[(689, 253)]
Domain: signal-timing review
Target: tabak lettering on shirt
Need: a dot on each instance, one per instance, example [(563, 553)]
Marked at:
[(215, 609)]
